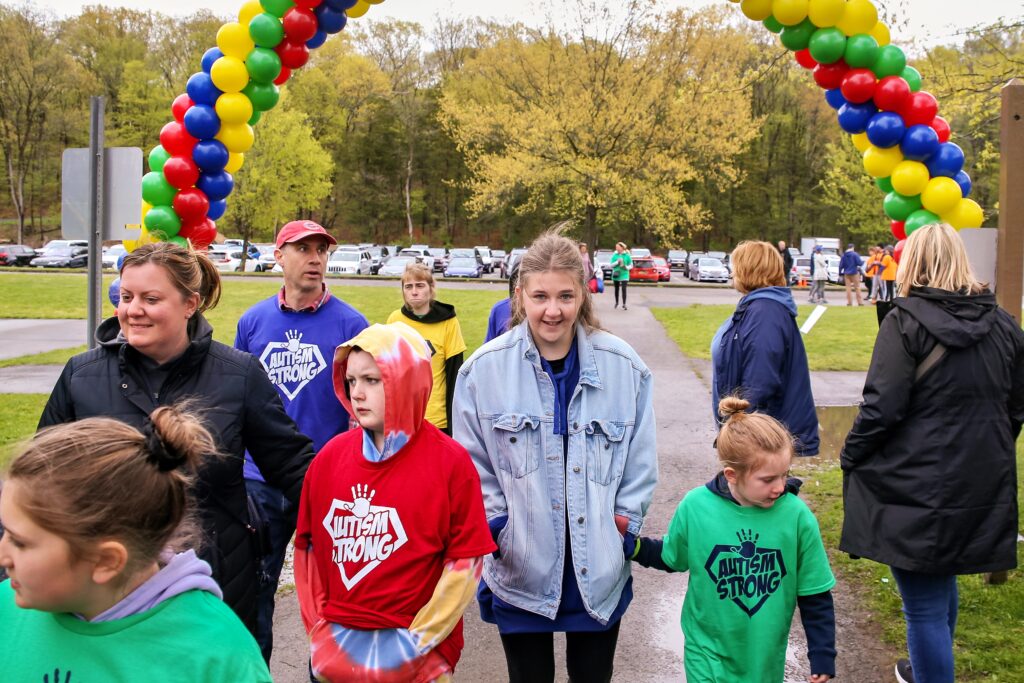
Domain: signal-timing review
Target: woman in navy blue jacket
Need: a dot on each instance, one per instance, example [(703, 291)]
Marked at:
[(759, 353)]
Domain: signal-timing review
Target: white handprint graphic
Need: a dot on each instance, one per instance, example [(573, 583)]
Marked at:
[(361, 497), (294, 337)]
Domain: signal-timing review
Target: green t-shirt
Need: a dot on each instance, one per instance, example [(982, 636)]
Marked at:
[(747, 566), (191, 637), (621, 263)]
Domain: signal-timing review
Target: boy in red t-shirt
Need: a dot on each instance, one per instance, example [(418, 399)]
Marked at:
[(391, 531)]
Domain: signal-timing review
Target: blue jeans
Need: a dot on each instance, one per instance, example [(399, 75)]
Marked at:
[(280, 519), (930, 608)]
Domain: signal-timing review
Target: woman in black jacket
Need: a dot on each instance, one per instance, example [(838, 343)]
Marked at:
[(160, 350), (929, 485)]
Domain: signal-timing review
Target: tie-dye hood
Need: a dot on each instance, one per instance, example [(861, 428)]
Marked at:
[(404, 361)]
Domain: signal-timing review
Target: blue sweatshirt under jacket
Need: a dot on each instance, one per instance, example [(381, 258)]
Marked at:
[(759, 353)]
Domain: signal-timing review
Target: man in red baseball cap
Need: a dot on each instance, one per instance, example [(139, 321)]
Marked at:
[(293, 334)]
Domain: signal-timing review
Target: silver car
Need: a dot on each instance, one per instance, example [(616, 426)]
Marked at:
[(707, 269), (395, 265)]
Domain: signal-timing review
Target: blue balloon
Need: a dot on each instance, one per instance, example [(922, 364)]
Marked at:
[(211, 156), (201, 89), (948, 161), (885, 129), (330, 20), (201, 121), (114, 291), (216, 185), (318, 39), (120, 261), (340, 5), (854, 118), (919, 143), (209, 57), (217, 209), (964, 181), (835, 98)]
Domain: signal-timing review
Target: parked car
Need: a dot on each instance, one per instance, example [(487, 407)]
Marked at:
[(421, 253), (644, 270), (677, 258), (485, 255), (464, 267), (266, 260), (832, 268), (229, 259), (254, 250), (690, 258), (395, 265), (111, 254), (440, 255), (708, 269), (498, 258), (801, 270), (377, 254), (62, 257), (61, 244), (510, 260), (349, 262), (664, 272), (603, 262), (639, 252), (16, 255)]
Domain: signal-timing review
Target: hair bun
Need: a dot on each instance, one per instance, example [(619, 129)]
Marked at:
[(159, 452), (176, 437), (732, 405)]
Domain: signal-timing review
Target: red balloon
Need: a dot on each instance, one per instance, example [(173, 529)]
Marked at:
[(308, 4), (920, 108), (202, 233), (176, 140), (897, 253), (293, 55), (191, 205), (181, 104), (899, 229), (830, 76), (285, 74), (858, 85), (940, 126), (181, 172), (891, 93), (804, 59), (299, 24)]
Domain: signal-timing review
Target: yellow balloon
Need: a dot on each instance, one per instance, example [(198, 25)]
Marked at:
[(374, 2), (860, 17), (357, 10), (942, 195), (146, 206), (233, 108), (881, 33), (967, 214), (825, 13), (879, 162), (229, 74), (234, 40), (860, 141), (789, 12), (909, 178), (237, 138), (248, 11), (758, 10), (235, 160)]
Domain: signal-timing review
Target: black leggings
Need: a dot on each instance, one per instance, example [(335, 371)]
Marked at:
[(589, 656), (623, 283)]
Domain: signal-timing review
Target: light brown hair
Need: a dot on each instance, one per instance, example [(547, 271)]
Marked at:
[(418, 272), (99, 479), (934, 256), (553, 252), (190, 271), (747, 438), (756, 265)]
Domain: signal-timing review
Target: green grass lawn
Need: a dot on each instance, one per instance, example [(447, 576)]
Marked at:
[(19, 415)]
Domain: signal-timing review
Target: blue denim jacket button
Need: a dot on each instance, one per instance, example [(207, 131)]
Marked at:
[(583, 571), (576, 469), (580, 520)]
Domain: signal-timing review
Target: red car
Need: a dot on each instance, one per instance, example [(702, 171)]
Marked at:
[(644, 269), (664, 272)]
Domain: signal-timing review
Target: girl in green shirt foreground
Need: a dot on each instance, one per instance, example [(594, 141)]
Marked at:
[(754, 552)]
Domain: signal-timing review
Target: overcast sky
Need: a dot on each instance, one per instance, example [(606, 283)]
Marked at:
[(929, 21)]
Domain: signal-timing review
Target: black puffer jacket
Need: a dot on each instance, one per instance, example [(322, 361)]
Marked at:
[(242, 410), (930, 480)]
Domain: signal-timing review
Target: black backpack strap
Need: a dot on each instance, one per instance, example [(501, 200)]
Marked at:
[(929, 361)]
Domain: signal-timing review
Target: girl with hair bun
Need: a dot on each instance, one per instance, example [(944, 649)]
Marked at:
[(754, 553), (92, 513)]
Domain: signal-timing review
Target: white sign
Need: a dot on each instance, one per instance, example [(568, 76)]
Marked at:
[(813, 319), (122, 193)]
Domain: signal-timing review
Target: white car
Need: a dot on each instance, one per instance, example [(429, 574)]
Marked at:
[(53, 245), (422, 253), (350, 262), (705, 269), (230, 260), (485, 256), (394, 266), (111, 254), (266, 261)]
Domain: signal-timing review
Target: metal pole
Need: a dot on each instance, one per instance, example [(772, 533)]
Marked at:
[(1010, 249), (95, 265)]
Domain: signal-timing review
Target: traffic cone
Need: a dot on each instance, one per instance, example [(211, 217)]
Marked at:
[(802, 283)]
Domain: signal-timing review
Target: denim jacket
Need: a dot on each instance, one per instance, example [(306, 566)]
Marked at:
[(503, 415)]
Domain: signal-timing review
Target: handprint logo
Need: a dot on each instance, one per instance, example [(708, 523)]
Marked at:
[(748, 543), (57, 678), (361, 497), (293, 337)]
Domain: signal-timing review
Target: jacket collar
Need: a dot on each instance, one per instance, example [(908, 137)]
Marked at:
[(589, 373), (200, 334)]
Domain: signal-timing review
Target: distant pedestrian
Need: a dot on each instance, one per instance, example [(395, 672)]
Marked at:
[(498, 322), (887, 269), (588, 264), (851, 265), (819, 276), (871, 273), (929, 467), (787, 261), (622, 263)]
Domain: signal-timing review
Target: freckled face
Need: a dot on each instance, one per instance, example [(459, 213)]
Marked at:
[(762, 486)]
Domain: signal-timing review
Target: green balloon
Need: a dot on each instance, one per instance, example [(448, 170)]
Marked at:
[(797, 37), (277, 7), (263, 65), (255, 118), (162, 222), (156, 190), (827, 45), (913, 78), (890, 62), (861, 51), (179, 240), (263, 96), (884, 184), (899, 207), (772, 24), (919, 219), (158, 156), (266, 30)]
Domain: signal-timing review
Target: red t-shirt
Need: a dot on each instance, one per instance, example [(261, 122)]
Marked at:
[(381, 532)]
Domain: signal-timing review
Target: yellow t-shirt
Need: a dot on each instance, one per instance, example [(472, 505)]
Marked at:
[(445, 340)]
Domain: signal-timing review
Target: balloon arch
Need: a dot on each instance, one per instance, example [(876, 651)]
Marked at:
[(878, 99)]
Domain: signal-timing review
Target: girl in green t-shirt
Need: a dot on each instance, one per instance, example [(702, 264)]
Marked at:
[(754, 553), (622, 263)]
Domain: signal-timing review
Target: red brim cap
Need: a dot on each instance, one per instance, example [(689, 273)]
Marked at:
[(300, 230)]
